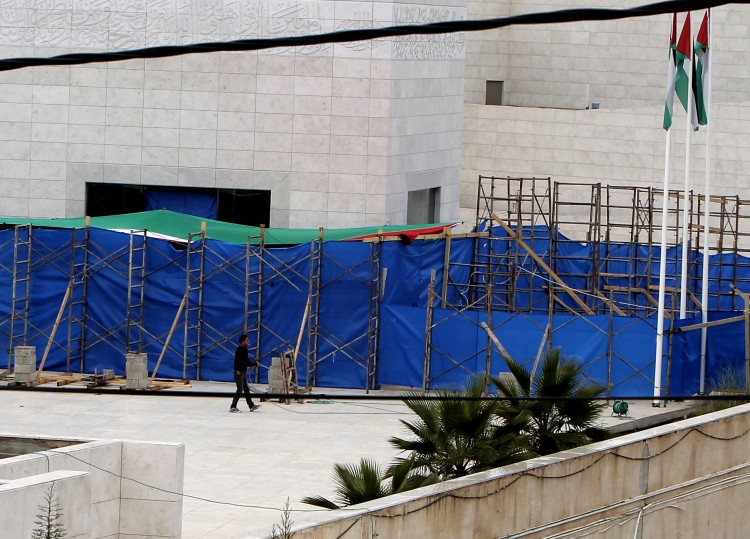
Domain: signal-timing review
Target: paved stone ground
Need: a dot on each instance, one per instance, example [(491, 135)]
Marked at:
[(240, 469)]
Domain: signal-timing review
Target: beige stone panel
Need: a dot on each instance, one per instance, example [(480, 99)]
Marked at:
[(349, 106), (348, 164), (46, 207), (310, 162), (204, 62), (198, 119), (162, 80), (18, 169), (311, 144), (126, 136), (236, 121), (378, 127), (239, 62), (375, 204), (200, 82), (234, 159), (310, 123), (351, 68), (52, 189), (88, 96), (199, 100), (275, 84), (86, 115), (273, 123), (198, 138), (349, 125), (197, 157), (307, 219), (317, 105), (273, 161), (314, 85), (377, 165), (237, 82), (14, 207), (164, 64), (349, 145), (51, 95), (86, 153), (235, 179), (161, 99), (345, 220), (196, 177), (15, 112), (346, 202), (309, 181), (166, 118), (307, 200), (125, 78), (155, 136), (347, 183), (159, 175), (44, 132), (380, 89), (120, 173), (313, 67), (160, 156), (88, 75), (125, 97), (275, 65), (124, 117), (42, 150), (273, 142), (16, 93), (241, 102), (47, 170), (377, 146), (49, 113), (122, 155), (350, 87), (234, 140), (274, 104)]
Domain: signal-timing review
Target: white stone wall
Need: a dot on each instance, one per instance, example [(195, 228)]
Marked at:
[(614, 147), (619, 64), (106, 489), (313, 125), (554, 72)]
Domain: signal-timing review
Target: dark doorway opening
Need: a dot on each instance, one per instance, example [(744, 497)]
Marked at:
[(241, 206)]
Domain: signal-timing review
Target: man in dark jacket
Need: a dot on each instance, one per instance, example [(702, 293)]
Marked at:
[(241, 364)]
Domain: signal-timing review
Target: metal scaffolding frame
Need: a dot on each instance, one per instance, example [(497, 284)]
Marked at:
[(552, 227)]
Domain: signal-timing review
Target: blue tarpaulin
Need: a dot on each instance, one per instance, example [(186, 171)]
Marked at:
[(370, 311)]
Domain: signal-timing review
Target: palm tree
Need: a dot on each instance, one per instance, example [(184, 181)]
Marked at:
[(563, 409), (366, 481), (457, 437)]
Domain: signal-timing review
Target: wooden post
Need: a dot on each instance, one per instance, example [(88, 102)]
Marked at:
[(554, 276), (446, 267), (495, 340), (428, 334), (169, 336), (290, 373), (541, 348), (54, 328)]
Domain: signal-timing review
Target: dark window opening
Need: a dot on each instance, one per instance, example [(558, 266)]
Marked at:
[(240, 206), (422, 206), (494, 92)]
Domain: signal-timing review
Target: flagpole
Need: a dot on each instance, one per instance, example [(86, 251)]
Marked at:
[(707, 213), (662, 278), (686, 205)]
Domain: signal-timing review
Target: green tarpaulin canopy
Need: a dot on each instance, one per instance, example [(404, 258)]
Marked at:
[(179, 225)]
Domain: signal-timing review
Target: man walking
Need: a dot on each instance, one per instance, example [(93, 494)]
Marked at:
[(241, 364)]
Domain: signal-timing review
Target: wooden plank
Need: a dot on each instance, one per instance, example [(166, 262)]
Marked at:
[(169, 336), (495, 340), (54, 329), (543, 264)]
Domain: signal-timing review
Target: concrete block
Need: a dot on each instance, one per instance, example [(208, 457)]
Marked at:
[(23, 369)]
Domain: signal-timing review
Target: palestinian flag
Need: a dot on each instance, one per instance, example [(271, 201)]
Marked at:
[(669, 101), (700, 75), (681, 86)]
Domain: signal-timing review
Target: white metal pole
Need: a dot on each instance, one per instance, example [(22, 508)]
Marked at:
[(662, 278), (707, 213), (686, 194)]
